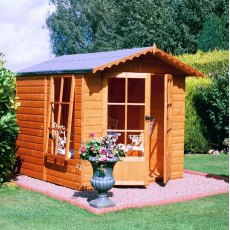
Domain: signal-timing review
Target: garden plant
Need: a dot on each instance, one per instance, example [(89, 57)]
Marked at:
[(8, 126)]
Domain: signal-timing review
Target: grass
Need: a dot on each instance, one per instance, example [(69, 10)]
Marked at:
[(21, 209), (213, 164)]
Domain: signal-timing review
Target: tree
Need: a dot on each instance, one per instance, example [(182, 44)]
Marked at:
[(79, 26), (141, 23), (191, 15), (8, 127), (214, 34)]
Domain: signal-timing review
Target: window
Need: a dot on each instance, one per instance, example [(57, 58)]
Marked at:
[(59, 136)]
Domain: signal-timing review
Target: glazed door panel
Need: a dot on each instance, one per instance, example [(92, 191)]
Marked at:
[(128, 108)]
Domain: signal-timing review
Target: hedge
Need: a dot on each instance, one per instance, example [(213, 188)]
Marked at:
[(196, 139), (8, 126)]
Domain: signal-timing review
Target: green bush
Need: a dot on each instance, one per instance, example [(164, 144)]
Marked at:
[(8, 127), (195, 127), (195, 140), (212, 105), (207, 62)]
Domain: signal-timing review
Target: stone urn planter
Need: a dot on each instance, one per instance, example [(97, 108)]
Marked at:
[(102, 181), (102, 153)]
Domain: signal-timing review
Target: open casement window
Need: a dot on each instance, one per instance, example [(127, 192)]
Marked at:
[(168, 84), (59, 143)]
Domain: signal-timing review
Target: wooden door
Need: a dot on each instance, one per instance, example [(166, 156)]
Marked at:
[(128, 103), (168, 84)]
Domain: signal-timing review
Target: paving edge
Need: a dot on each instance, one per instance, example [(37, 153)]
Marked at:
[(135, 205), (206, 174)]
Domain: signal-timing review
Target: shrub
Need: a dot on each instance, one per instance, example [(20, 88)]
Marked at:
[(212, 105), (195, 141), (207, 62), (8, 127), (195, 128)]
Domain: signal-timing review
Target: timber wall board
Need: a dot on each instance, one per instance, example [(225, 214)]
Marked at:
[(33, 94), (91, 115), (178, 123), (30, 118)]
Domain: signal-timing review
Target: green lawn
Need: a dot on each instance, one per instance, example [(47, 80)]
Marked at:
[(21, 209), (214, 164)]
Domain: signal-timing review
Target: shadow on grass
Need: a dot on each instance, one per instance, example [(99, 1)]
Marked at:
[(218, 177)]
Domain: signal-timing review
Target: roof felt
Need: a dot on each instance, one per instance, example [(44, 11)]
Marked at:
[(78, 63), (93, 62)]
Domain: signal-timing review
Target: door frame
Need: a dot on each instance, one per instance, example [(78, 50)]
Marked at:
[(142, 160)]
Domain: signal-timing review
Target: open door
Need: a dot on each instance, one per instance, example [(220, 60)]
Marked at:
[(127, 99), (168, 84)]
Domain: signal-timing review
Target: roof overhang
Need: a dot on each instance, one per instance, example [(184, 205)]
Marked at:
[(165, 57), (55, 72)]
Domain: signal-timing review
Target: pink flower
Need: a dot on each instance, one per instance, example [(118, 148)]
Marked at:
[(103, 139), (83, 149), (91, 134), (102, 150)]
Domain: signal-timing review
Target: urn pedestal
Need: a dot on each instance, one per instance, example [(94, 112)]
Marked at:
[(102, 181)]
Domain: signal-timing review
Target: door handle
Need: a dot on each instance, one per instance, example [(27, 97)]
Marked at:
[(148, 118)]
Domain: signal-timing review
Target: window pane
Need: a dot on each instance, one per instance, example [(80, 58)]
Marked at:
[(54, 111), (66, 90), (135, 140), (116, 117), (136, 90), (57, 85), (116, 90), (135, 117)]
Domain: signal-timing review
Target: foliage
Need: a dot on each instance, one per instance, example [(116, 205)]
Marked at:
[(191, 15), (103, 149), (85, 26), (213, 107), (214, 34), (8, 127), (208, 62), (195, 140), (80, 26), (140, 23), (195, 128)]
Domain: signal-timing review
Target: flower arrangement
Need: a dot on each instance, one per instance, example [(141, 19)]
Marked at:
[(102, 149)]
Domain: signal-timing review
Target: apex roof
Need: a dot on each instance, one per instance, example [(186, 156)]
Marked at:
[(93, 62)]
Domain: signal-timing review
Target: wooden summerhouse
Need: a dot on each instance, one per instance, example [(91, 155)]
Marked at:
[(137, 94)]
